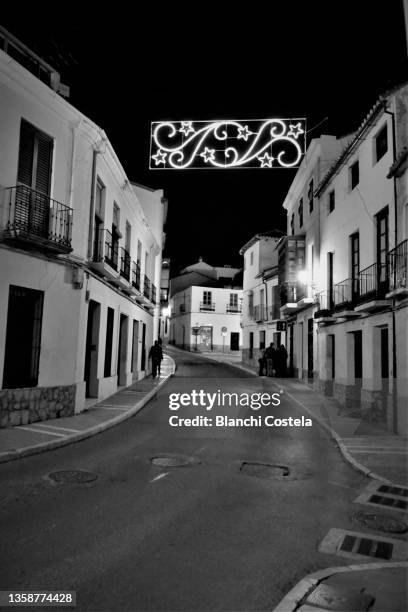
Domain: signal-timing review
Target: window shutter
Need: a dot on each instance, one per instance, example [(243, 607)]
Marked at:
[(26, 155), (43, 170)]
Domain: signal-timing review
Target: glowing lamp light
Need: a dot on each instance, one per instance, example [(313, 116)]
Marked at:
[(165, 312), (302, 277), (230, 143)]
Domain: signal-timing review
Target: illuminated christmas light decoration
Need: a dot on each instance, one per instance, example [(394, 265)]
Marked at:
[(255, 143)]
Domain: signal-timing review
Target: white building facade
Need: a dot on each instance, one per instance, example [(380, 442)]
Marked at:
[(261, 322), (80, 250), (206, 318)]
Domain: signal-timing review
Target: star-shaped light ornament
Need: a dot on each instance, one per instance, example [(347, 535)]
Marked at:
[(208, 155), (160, 158), (244, 133), (295, 130), (187, 127), (266, 160)]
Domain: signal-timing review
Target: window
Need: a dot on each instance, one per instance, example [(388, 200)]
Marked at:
[(251, 345), (332, 201), (128, 234), (355, 263), (354, 175), (330, 282), (99, 220), (23, 337), (381, 143), (292, 224), (234, 300), (250, 304), (207, 298), (115, 218), (382, 245), (310, 196), (34, 158), (252, 258), (108, 344), (261, 339), (300, 210)]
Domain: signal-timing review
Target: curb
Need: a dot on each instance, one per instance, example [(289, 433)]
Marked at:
[(342, 447), (17, 453), (308, 584)]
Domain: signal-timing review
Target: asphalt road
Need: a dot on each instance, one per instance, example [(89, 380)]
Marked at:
[(203, 537)]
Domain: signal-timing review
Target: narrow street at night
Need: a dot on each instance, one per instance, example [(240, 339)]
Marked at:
[(204, 536)]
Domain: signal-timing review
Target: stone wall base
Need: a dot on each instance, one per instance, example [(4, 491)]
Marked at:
[(23, 406)]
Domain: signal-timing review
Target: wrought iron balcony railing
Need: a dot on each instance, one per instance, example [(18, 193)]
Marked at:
[(373, 282), (154, 294), (398, 266), (136, 276), (233, 308), (274, 312), (124, 264), (105, 248), (346, 293), (207, 306), (34, 217), (146, 287), (325, 304), (292, 292)]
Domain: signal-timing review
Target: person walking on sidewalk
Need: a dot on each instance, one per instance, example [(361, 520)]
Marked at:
[(156, 355), (270, 355)]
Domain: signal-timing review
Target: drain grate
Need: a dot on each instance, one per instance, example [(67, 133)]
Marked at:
[(380, 522), (361, 545), (172, 461), (264, 470), (367, 547), (393, 490), (390, 502), (72, 476)]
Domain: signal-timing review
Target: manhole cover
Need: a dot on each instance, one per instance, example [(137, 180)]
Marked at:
[(380, 522), (171, 461), (264, 470), (72, 476)]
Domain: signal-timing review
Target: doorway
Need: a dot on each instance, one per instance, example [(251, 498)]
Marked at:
[(310, 349), (358, 357), (91, 350), (122, 349), (234, 342), (135, 349), (143, 356)]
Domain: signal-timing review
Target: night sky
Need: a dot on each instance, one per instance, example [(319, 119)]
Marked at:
[(327, 59)]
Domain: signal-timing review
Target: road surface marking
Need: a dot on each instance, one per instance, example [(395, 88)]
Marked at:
[(57, 427), (113, 408), (42, 431), (159, 476)]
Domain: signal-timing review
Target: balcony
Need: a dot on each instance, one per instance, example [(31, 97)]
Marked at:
[(260, 313), (146, 287), (274, 312), (292, 296), (123, 280), (36, 220), (324, 312), (345, 295), (136, 276), (207, 306), (233, 308), (154, 294), (397, 271), (373, 287), (105, 254)]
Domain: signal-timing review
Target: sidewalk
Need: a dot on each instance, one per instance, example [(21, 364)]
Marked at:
[(23, 440), (369, 448)]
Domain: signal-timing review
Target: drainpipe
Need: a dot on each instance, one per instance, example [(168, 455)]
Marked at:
[(394, 338)]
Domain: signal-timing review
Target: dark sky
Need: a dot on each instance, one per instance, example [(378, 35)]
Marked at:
[(300, 59)]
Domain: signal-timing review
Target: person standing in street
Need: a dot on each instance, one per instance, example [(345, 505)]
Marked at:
[(282, 358), (156, 355), (262, 363), (270, 359)]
